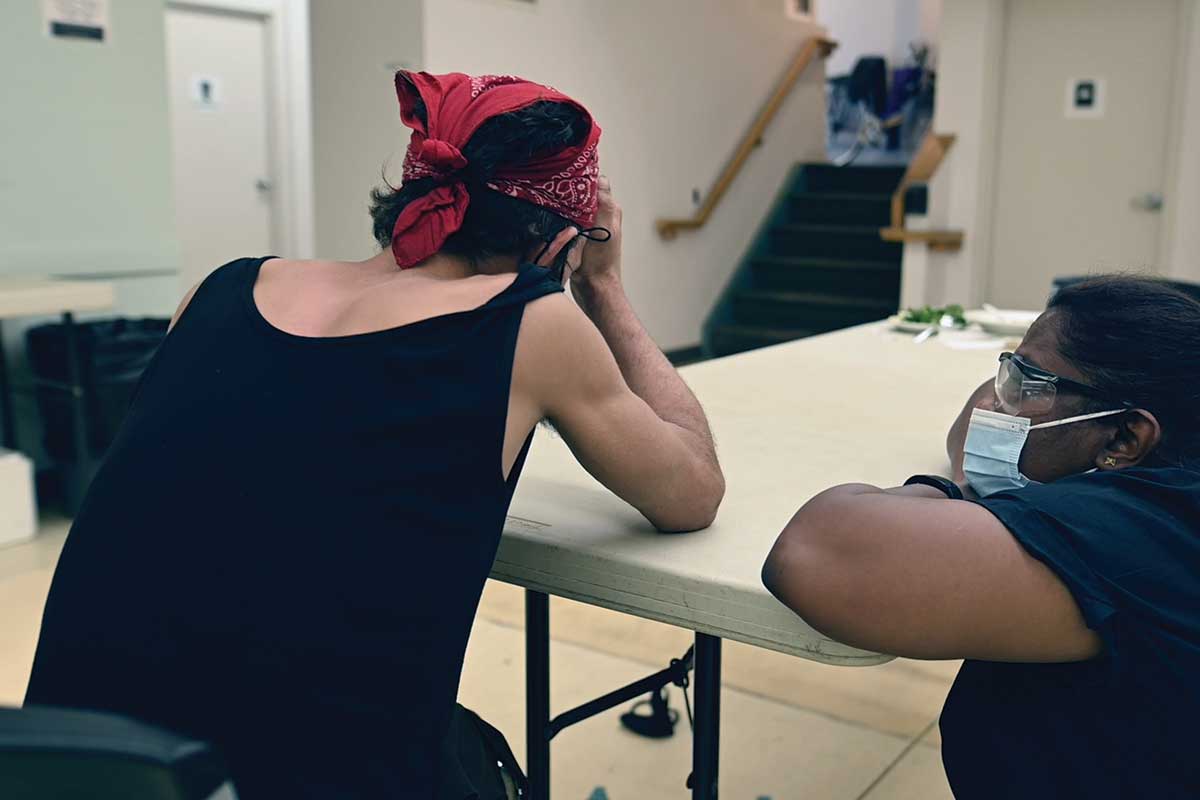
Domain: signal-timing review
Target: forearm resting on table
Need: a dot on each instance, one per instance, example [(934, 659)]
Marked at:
[(913, 574), (651, 376)]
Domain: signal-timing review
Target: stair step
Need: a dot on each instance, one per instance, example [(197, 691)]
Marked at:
[(841, 242), (818, 299), (828, 276), (843, 208), (827, 228), (729, 339), (847, 265), (820, 265), (802, 192), (813, 311), (828, 178)]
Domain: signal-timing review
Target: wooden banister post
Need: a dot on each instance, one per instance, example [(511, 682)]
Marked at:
[(924, 164)]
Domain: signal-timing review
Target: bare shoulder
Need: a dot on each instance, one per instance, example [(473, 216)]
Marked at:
[(562, 362), (557, 338), (552, 312)]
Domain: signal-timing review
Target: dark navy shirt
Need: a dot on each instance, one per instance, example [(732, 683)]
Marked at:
[(1123, 725)]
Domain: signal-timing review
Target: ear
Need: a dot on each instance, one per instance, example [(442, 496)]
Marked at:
[(565, 236), (1136, 435), (574, 259)]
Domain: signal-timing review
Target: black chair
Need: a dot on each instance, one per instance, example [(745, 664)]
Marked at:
[(58, 754), (868, 84)]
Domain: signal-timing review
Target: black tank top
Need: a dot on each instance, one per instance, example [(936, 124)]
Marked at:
[(286, 544)]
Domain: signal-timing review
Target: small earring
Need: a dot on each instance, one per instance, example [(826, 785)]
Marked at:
[(1109, 461)]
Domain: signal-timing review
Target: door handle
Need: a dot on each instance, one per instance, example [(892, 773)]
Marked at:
[(1150, 201)]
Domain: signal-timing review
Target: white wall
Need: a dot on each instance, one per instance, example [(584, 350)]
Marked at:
[(1063, 186), (356, 122), (84, 145), (930, 27), (861, 28), (85, 167), (877, 28), (969, 56), (962, 195), (674, 84), (1182, 245), (290, 79)]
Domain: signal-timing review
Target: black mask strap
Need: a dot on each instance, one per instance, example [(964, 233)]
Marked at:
[(591, 234)]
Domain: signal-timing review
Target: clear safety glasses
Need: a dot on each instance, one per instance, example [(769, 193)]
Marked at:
[(1027, 390)]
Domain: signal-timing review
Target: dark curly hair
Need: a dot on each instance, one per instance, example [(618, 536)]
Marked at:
[(495, 224), (1138, 339)]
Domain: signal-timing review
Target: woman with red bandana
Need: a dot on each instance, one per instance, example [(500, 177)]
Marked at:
[(285, 547)]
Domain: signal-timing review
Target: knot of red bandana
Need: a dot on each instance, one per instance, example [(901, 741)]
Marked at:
[(456, 105), (441, 156)]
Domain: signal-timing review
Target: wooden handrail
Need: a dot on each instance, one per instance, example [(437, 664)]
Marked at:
[(924, 164), (817, 45)]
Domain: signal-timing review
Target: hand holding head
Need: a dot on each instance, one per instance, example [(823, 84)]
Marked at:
[(601, 258)]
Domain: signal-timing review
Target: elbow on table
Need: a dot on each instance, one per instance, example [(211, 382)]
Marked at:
[(692, 505), (803, 570), (784, 570)]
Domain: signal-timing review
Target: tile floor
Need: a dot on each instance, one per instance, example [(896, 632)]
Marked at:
[(791, 728)]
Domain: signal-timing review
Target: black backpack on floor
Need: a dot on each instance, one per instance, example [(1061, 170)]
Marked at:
[(477, 763)]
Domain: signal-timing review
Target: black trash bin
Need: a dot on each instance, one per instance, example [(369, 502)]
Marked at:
[(112, 356)]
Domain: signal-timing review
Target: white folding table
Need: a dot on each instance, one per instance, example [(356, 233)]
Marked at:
[(861, 405), (29, 297)]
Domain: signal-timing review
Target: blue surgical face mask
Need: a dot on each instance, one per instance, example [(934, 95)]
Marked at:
[(992, 454)]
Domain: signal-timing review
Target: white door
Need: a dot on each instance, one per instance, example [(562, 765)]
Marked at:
[(1079, 172), (217, 69)]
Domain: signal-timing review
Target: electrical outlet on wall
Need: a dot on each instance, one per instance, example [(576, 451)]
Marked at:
[(1086, 98), (696, 197)]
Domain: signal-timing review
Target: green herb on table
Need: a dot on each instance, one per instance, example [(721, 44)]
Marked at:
[(936, 316)]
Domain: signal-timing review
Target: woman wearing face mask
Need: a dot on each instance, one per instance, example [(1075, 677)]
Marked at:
[(1061, 559)]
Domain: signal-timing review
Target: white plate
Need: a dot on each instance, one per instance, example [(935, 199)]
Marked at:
[(1005, 322), (899, 324)]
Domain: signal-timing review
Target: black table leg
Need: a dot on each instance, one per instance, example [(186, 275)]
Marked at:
[(706, 739), (537, 693), (8, 426)]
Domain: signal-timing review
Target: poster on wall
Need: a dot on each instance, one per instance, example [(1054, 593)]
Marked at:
[(76, 19)]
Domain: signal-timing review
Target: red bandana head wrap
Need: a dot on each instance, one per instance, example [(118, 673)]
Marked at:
[(456, 105)]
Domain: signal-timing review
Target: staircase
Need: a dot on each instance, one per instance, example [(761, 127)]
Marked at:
[(818, 264)]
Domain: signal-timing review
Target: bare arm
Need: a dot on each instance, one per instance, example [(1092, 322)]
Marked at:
[(619, 404), (598, 290), (643, 366), (652, 464), (921, 577)]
